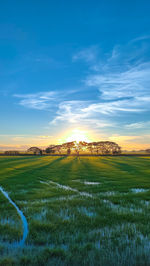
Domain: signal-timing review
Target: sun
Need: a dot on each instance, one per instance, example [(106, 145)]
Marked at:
[(77, 135)]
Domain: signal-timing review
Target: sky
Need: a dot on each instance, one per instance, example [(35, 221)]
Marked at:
[(74, 66)]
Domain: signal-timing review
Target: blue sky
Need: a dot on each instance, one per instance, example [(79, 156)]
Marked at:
[(74, 64)]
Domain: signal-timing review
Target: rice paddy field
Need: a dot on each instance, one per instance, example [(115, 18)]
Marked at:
[(74, 210)]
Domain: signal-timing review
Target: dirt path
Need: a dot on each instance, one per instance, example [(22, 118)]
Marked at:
[(23, 218)]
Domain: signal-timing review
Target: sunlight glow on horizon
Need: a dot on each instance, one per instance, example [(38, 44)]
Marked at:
[(76, 135), (73, 134)]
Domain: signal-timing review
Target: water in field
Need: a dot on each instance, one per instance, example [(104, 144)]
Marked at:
[(75, 212), (22, 217)]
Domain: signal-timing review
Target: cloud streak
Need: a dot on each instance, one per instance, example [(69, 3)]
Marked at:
[(39, 101), (80, 113), (131, 83), (89, 55), (122, 82), (138, 125)]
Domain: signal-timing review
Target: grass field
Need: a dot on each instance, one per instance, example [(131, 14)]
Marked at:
[(80, 211)]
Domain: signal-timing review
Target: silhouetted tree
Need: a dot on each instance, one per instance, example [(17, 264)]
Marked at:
[(11, 153), (90, 147), (147, 150), (58, 148), (68, 151), (100, 147), (50, 149), (35, 150), (68, 147)]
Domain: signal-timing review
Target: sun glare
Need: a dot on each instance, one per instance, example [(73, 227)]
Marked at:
[(77, 135)]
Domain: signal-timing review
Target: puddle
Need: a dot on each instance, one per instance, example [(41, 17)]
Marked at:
[(87, 211), (41, 215), (138, 190), (126, 233), (109, 193), (63, 186), (126, 209), (47, 200), (123, 228), (85, 194), (43, 182), (86, 182), (91, 183), (81, 193), (145, 203), (66, 215), (8, 221)]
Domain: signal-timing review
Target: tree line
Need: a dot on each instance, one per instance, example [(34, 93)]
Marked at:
[(100, 147)]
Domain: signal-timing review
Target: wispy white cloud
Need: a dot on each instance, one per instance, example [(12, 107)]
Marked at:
[(39, 101), (141, 38), (37, 60), (89, 55), (80, 112), (122, 81), (133, 82), (138, 125), (96, 115), (44, 100), (70, 111), (115, 107)]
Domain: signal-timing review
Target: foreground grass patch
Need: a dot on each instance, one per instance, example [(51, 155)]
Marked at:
[(80, 211)]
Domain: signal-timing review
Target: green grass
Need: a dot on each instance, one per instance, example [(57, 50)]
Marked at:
[(108, 224)]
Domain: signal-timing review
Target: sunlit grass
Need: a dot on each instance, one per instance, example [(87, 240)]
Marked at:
[(70, 228)]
